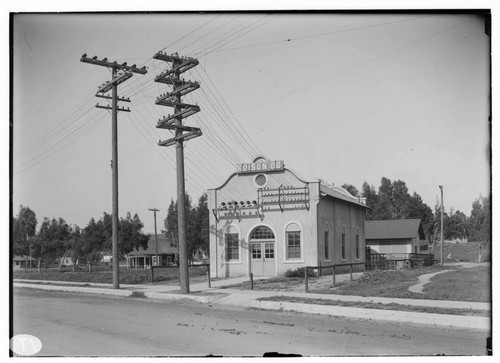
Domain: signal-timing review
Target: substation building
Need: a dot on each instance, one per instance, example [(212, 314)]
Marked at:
[(265, 219)]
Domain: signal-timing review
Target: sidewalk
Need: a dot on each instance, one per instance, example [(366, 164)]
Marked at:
[(218, 295)]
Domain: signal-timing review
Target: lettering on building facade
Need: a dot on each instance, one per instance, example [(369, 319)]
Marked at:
[(262, 166)]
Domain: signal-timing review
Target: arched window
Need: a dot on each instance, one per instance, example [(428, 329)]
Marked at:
[(293, 242), (326, 235), (262, 232), (357, 243), (343, 243)]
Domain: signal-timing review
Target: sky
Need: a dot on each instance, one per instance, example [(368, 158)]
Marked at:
[(346, 98)]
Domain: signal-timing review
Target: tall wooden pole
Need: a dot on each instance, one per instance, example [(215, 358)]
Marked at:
[(114, 164), (154, 210), (125, 73), (182, 133), (181, 201), (442, 225)]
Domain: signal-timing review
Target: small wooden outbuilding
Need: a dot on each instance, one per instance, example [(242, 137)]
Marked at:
[(395, 236)]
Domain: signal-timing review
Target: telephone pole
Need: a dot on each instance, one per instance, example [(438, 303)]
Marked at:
[(154, 210), (119, 74), (180, 87), (442, 229)]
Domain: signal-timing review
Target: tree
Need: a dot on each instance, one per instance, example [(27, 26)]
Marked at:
[(351, 189), (76, 246), (371, 196), (23, 231), (170, 224), (384, 207), (131, 235), (480, 220), (54, 238), (200, 243), (196, 226), (393, 201)]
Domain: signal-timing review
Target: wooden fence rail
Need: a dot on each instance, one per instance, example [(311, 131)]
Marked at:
[(320, 267)]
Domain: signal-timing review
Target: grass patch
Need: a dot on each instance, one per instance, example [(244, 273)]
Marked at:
[(471, 284), (368, 305), (274, 284), (467, 284), (457, 251), (106, 277)]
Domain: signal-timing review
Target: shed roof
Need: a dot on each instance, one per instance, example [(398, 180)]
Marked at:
[(392, 229), (22, 258), (340, 193), (163, 247)]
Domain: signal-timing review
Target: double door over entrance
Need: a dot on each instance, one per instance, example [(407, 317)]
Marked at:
[(262, 252)]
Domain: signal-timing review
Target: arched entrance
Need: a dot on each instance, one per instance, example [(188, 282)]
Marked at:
[(262, 251)]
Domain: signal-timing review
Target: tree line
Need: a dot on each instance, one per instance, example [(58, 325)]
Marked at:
[(392, 200), (56, 237)]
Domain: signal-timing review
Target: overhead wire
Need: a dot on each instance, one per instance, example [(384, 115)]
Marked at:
[(286, 40)]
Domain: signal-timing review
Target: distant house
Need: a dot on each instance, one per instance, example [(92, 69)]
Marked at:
[(395, 236), (23, 262), (144, 258), (67, 260)]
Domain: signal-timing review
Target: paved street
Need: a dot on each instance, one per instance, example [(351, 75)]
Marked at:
[(84, 325)]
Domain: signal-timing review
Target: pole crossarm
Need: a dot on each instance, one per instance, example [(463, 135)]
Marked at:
[(182, 89), (104, 62), (169, 100), (171, 125), (171, 81), (120, 78), (195, 132), (111, 108), (178, 115), (110, 98), (180, 64)]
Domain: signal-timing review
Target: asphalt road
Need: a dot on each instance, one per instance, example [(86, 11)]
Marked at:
[(87, 325)]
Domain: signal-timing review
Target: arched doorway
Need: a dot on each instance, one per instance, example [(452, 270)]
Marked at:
[(262, 251)]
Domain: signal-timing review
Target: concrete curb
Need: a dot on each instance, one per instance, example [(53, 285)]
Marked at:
[(441, 320), (90, 290), (205, 299)]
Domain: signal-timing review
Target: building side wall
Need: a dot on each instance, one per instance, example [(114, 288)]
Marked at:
[(338, 215), (391, 246)]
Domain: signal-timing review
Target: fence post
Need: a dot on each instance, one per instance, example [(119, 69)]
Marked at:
[(333, 274), (39, 264), (307, 279), (319, 270), (208, 275), (152, 275), (350, 270), (251, 281)]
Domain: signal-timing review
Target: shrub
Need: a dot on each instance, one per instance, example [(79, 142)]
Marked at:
[(300, 272)]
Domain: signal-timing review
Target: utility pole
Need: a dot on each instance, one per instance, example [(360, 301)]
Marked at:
[(442, 229), (119, 74), (180, 87), (154, 210)]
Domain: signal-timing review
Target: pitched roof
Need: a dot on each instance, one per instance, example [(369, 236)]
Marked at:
[(341, 193), (163, 247), (392, 229), (22, 258)]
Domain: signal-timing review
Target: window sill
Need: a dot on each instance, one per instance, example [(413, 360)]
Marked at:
[(293, 261), (238, 262)]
